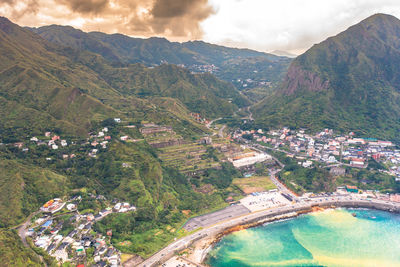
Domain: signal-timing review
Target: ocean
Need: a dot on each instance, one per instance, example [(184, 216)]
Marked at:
[(328, 238)]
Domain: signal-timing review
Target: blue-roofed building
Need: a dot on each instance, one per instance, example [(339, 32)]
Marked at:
[(47, 223)]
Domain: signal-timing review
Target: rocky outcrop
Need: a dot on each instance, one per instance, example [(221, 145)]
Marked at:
[(297, 78)]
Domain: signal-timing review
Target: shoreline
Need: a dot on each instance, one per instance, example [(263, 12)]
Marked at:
[(200, 241), (209, 243), (212, 241)]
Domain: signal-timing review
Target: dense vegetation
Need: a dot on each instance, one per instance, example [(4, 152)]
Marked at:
[(45, 87), (13, 253), (348, 82), (232, 63)]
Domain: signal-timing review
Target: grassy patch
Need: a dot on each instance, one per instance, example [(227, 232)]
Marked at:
[(254, 184)]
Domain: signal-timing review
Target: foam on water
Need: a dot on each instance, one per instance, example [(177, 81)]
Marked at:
[(328, 238)]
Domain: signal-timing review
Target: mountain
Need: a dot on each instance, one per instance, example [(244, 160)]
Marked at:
[(45, 86), (229, 64), (283, 54), (75, 93), (349, 82)]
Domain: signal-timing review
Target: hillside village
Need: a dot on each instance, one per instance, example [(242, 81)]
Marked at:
[(65, 231), (327, 148)]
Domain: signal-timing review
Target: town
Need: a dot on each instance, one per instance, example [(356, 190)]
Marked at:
[(67, 234), (327, 148)]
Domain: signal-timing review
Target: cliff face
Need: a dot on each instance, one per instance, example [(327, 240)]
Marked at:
[(298, 78), (350, 81)]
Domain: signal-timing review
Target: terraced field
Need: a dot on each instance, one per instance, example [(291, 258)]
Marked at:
[(187, 157)]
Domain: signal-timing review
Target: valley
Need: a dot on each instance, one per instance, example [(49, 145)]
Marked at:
[(122, 151)]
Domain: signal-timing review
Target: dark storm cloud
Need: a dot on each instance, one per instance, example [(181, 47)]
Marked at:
[(85, 6), (174, 19), (181, 17), (178, 8)]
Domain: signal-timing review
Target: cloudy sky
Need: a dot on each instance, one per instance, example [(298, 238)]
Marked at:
[(265, 25)]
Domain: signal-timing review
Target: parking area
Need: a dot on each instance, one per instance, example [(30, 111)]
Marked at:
[(217, 216), (264, 200), (177, 262)]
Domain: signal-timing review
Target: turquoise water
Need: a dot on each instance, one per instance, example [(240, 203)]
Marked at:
[(328, 238)]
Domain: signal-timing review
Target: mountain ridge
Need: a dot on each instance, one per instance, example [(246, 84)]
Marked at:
[(348, 82)]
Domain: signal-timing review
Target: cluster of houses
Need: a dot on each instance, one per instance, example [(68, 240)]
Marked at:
[(201, 68), (45, 232), (54, 142), (98, 140), (245, 83), (197, 117), (328, 148)]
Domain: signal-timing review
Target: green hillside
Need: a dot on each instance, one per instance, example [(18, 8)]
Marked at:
[(13, 253), (44, 86), (75, 93), (232, 64), (26, 187), (349, 82)]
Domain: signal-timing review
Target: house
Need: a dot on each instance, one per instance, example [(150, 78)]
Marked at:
[(94, 143), (331, 159), (71, 207), (54, 147), (18, 144), (117, 206), (356, 162), (351, 188), (385, 143), (307, 164), (34, 139), (64, 143), (124, 138), (337, 171), (109, 232), (117, 120)]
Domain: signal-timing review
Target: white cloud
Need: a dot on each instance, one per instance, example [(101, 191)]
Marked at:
[(291, 25)]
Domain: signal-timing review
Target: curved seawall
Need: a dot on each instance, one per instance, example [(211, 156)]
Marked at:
[(218, 230)]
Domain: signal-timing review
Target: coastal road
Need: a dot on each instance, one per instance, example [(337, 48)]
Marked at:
[(337, 201)]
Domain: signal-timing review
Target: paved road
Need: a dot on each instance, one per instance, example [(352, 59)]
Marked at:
[(215, 217), (184, 242), (208, 125), (22, 229), (221, 131)]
